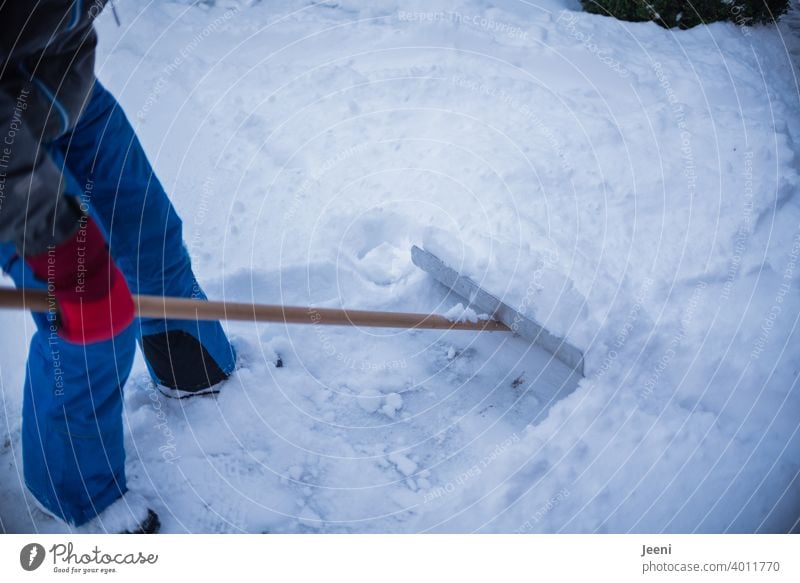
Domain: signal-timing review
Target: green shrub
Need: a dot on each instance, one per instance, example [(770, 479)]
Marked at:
[(689, 13)]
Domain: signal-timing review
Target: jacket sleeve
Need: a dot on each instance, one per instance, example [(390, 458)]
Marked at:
[(33, 213)]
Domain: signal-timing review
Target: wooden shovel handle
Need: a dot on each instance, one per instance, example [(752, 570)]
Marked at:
[(192, 309)]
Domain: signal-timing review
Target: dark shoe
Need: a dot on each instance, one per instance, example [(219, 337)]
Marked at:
[(150, 525), (129, 514), (183, 366)]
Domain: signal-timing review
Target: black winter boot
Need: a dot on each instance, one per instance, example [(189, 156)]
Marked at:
[(129, 514), (182, 365), (150, 525)]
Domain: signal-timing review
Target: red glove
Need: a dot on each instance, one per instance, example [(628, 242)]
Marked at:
[(94, 302)]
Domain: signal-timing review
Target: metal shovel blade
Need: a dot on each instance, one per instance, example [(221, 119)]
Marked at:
[(485, 302)]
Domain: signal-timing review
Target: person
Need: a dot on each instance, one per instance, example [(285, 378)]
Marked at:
[(83, 216)]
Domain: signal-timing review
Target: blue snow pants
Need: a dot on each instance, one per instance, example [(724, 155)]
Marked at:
[(72, 435)]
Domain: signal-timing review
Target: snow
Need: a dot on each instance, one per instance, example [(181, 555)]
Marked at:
[(460, 313), (403, 463), (630, 187)]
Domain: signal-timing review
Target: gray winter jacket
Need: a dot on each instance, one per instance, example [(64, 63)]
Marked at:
[(46, 76)]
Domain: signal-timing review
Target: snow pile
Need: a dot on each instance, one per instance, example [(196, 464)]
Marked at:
[(631, 187)]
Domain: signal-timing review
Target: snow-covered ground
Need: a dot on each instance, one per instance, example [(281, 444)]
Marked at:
[(630, 186)]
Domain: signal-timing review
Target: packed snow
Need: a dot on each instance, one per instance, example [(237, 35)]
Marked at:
[(631, 187)]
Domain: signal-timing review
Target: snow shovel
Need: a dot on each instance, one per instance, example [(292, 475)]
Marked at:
[(505, 319)]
